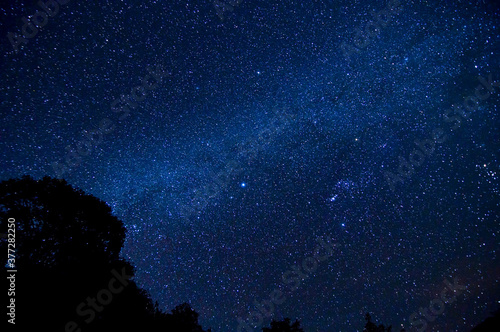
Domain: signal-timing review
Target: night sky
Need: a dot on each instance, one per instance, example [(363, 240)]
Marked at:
[(231, 140)]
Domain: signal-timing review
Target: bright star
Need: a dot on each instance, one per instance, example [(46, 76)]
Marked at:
[(243, 185)]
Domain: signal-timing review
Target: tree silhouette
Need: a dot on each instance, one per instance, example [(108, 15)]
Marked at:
[(58, 225), (184, 318), (70, 275), (283, 326), (371, 327), (490, 324)]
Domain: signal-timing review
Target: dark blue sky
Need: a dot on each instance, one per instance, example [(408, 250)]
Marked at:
[(230, 141)]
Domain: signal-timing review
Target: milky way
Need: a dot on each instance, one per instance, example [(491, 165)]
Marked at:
[(232, 139)]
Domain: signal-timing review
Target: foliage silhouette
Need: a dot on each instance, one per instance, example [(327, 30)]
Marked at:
[(490, 324), (60, 226), (283, 326), (184, 318), (67, 256), (372, 327)]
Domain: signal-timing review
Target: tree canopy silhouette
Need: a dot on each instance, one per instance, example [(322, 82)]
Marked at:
[(489, 324), (58, 225), (184, 318), (70, 274), (371, 327), (283, 326)]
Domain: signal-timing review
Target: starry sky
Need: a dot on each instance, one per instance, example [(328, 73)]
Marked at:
[(231, 138)]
